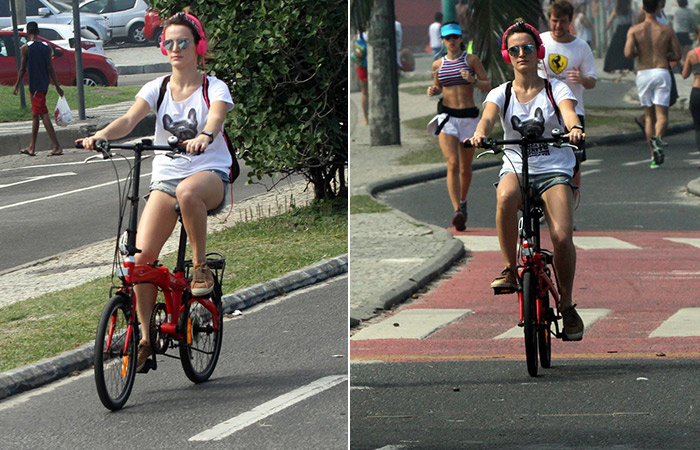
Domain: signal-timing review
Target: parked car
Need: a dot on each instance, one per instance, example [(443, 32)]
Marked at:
[(126, 18), (153, 26), (54, 11), (63, 36), (97, 69)]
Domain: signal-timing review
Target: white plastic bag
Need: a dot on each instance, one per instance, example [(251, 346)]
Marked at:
[(62, 112)]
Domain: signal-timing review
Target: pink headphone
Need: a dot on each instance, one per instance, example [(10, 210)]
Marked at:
[(504, 50), (202, 45)]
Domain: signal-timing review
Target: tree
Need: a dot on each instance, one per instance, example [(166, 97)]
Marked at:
[(285, 62)]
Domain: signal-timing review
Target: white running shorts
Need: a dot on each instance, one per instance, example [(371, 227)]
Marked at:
[(654, 87), (459, 128)]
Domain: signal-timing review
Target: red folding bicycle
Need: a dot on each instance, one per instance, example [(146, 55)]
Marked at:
[(193, 325), (537, 278)]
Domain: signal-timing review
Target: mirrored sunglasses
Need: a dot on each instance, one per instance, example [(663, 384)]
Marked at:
[(182, 44), (451, 36), (527, 49)]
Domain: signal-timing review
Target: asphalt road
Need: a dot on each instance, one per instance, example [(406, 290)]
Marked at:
[(268, 352), (462, 386), (52, 205), (619, 191)]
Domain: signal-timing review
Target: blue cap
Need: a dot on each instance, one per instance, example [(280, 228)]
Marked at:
[(450, 29)]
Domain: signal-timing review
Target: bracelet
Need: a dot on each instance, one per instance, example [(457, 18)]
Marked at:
[(578, 127)]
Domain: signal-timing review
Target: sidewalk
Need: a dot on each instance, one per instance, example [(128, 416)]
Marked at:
[(393, 255)]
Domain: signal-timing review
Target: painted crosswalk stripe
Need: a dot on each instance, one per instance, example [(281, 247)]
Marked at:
[(589, 317), (480, 243), (695, 242), (685, 322), (602, 243), (227, 428), (410, 324)]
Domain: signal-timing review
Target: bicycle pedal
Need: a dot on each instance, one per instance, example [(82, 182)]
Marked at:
[(503, 291)]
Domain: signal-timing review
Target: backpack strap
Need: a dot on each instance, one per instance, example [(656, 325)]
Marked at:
[(509, 93), (548, 88), (161, 94)]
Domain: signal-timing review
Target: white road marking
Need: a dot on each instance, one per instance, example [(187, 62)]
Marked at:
[(228, 427), (410, 324), (480, 243), (636, 163), (63, 194), (602, 243), (588, 172), (39, 178), (685, 322), (589, 317), (72, 163), (592, 162), (695, 242)]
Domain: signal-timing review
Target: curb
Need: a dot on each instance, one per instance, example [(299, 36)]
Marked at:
[(45, 371), (148, 68), (453, 250)]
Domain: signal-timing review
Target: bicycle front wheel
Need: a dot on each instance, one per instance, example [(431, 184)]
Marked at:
[(115, 353), (530, 321), (200, 348), (545, 333)]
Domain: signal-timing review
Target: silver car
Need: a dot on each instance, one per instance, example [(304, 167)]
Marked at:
[(53, 11), (126, 18)]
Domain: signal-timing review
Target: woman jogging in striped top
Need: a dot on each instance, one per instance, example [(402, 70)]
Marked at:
[(455, 75)]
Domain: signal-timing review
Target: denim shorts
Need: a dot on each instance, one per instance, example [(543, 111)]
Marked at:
[(169, 187), (544, 181)]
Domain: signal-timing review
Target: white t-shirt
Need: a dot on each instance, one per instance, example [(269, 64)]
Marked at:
[(434, 33), (547, 158), (561, 57), (186, 119)]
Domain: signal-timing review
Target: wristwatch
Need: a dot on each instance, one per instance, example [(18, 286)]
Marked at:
[(208, 133), (577, 127)]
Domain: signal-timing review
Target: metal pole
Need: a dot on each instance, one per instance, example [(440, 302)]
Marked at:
[(78, 61), (22, 100), (448, 10)]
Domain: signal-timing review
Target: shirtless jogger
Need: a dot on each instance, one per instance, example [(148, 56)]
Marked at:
[(654, 45)]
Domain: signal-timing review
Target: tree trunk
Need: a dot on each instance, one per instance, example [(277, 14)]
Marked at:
[(384, 121)]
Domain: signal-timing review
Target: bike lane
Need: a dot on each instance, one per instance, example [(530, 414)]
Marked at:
[(635, 291)]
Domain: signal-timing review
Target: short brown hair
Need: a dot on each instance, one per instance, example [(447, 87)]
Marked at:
[(561, 8)]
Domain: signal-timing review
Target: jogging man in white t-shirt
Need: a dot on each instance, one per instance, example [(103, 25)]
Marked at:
[(568, 59)]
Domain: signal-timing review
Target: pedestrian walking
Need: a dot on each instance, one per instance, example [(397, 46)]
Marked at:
[(37, 62), (569, 59), (620, 21), (359, 56), (436, 47), (684, 23), (455, 76), (653, 45)]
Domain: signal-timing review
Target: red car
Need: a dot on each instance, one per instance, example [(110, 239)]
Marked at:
[(153, 28), (97, 69)]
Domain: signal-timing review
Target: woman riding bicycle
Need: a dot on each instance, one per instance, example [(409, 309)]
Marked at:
[(550, 168), (197, 186), (455, 75)]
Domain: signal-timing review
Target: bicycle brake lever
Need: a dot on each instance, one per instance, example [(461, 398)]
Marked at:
[(487, 152), (98, 156), (175, 155)]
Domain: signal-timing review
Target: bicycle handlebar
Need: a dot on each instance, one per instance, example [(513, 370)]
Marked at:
[(175, 148), (558, 139)]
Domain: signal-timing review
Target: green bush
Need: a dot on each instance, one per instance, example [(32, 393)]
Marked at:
[(285, 62)]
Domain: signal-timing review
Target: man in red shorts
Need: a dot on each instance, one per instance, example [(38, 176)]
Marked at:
[(36, 59)]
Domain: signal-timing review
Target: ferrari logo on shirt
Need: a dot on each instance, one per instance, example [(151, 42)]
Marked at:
[(557, 63)]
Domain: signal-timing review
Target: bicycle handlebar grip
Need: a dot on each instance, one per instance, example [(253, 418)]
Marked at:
[(79, 145), (467, 143)]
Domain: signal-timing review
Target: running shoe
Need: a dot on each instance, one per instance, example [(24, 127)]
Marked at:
[(459, 221), (654, 165), (463, 210), (144, 352), (656, 145), (573, 325)]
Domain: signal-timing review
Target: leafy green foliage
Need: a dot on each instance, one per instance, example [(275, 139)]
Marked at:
[(285, 62)]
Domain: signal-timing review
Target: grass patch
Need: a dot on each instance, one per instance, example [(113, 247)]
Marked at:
[(416, 90), (256, 252), (360, 204), (11, 110)]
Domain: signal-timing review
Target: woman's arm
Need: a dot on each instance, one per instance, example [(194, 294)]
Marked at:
[(568, 113), (436, 88), (610, 21), (482, 79), (215, 120), (690, 59), (486, 124)]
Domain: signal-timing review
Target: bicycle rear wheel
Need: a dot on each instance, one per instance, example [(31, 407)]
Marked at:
[(530, 322), (199, 350), (115, 353), (544, 332)]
